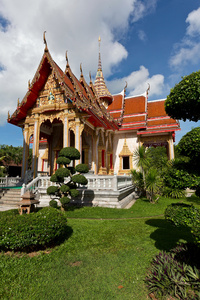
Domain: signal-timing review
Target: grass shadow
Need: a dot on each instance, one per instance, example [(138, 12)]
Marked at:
[(166, 236)]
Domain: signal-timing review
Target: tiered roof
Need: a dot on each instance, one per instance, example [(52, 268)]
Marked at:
[(79, 93), (136, 113), (116, 112)]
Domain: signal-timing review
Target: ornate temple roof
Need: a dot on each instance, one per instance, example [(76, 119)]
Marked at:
[(116, 112), (79, 93)]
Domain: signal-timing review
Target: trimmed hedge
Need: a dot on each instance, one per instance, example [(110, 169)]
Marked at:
[(33, 231), (181, 214)]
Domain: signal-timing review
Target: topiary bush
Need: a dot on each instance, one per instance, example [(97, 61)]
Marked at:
[(67, 177), (181, 214), (30, 232), (170, 276)]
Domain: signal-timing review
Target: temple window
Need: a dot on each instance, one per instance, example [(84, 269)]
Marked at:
[(125, 160), (126, 165)]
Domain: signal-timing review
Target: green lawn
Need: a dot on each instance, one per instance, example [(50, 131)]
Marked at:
[(105, 257)]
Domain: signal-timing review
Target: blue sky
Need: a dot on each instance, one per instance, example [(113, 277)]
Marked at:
[(150, 41)]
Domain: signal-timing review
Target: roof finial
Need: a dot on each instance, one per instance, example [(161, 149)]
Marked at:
[(90, 77), (125, 87), (81, 69), (18, 103), (45, 42), (67, 59), (99, 64), (148, 89)]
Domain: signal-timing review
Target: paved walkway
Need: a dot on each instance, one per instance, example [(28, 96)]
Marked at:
[(4, 207)]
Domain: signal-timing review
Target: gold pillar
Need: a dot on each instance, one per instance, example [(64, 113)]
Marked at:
[(66, 130), (35, 145), (25, 150)]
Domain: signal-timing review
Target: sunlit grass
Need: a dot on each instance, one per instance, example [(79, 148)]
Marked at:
[(104, 258)]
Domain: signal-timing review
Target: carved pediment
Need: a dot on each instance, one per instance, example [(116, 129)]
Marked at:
[(51, 93)]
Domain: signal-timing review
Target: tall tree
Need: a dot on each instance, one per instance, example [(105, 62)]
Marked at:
[(183, 102)]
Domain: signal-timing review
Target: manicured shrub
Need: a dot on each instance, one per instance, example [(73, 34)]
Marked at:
[(54, 178), (169, 276), (64, 188), (61, 173), (82, 168), (51, 190), (63, 160), (33, 231), (67, 177), (79, 179), (70, 152), (181, 214), (53, 203), (64, 201), (74, 193)]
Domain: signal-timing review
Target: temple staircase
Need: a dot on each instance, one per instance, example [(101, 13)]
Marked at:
[(10, 197)]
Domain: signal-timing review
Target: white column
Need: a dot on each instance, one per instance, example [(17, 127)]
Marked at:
[(66, 132), (25, 150)]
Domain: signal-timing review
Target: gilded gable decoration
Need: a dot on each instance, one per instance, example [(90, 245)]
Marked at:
[(125, 150)]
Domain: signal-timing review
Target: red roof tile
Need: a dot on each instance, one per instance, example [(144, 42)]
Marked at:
[(117, 103), (156, 109), (134, 105)]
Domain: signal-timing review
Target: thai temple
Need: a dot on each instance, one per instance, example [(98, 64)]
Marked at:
[(60, 110)]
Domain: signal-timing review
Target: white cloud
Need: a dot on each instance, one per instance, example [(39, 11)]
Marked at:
[(194, 22), (188, 50), (138, 83), (186, 55), (71, 25), (142, 35)]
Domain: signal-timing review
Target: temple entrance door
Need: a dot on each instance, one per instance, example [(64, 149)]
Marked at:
[(51, 142)]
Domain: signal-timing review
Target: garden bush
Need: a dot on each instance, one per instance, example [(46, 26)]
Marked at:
[(33, 231), (181, 214), (170, 276), (67, 177)]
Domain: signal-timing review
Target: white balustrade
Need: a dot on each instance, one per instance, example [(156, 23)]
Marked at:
[(95, 182), (9, 181)]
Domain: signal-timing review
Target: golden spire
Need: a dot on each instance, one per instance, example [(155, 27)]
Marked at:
[(99, 84), (99, 64), (18, 104)]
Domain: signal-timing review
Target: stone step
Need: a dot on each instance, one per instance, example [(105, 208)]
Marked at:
[(11, 197), (8, 202)]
